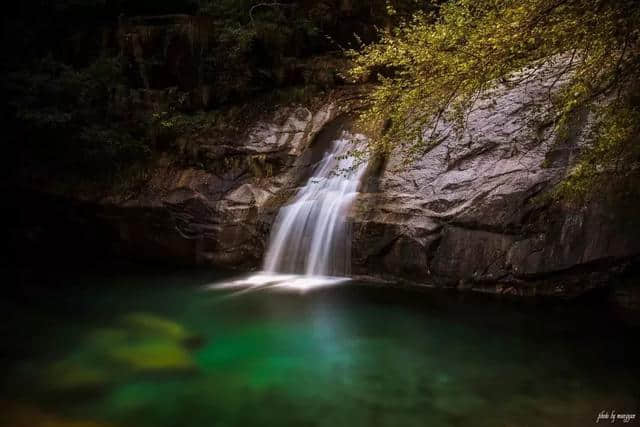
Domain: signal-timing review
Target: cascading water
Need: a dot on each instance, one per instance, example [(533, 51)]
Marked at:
[(311, 234), (310, 243)]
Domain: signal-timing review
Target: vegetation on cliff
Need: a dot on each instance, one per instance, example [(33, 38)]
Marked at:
[(95, 86), (433, 67), (91, 85)]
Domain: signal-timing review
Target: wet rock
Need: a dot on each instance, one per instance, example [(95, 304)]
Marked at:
[(249, 194), (480, 189), (153, 355), (468, 213), (196, 216), (626, 295), (149, 325), (140, 343), (76, 376)]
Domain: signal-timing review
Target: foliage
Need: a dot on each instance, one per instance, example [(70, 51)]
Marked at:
[(250, 45), (80, 77), (613, 155), (60, 110), (433, 67), (255, 43)]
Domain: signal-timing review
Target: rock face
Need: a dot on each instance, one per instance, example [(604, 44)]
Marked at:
[(465, 214), (197, 216)]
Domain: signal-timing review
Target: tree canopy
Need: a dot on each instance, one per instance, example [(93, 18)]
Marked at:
[(433, 66), (81, 76)]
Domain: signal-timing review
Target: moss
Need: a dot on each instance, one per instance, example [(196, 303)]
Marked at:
[(145, 324), (432, 69), (141, 343), (106, 337), (73, 376), (151, 355), (147, 342), (259, 166)]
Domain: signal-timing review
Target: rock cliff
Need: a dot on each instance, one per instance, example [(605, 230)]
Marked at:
[(471, 212), (468, 213)]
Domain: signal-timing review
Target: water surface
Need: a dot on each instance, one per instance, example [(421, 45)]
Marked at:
[(158, 349)]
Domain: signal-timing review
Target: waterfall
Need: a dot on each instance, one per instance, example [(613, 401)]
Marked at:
[(310, 243), (311, 235)]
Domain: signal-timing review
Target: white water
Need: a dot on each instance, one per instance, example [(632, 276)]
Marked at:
[(279, 282), (310, 242), (311, 234)]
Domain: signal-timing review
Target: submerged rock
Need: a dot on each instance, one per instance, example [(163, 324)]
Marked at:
[(77, 375), (149, 325), (142, 343), (149, 343), (152, 355)]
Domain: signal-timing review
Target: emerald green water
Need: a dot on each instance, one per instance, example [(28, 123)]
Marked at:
[(158, 350)]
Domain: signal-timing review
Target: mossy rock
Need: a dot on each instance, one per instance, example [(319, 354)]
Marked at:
[(105, 338), (143, 343), (153, 355), (68, 375), (149, 325)]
